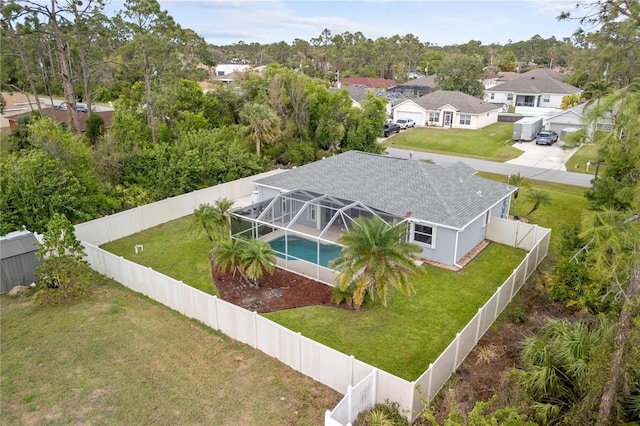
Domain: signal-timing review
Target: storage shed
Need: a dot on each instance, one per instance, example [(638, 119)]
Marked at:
[(18, 259)]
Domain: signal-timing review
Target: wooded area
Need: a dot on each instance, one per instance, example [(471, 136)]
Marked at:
[(168, 137)]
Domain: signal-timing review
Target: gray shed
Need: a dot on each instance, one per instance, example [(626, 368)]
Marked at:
[(18, 261)]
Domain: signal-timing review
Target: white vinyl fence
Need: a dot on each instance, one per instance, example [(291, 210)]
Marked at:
[(132, 221), (362, 385), (411, 396)]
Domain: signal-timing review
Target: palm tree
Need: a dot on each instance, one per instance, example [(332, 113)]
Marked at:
[(556, 361), (221, 218), (213, 219), (516, 180), (202, 220), (227, 256), (596, 89), (374, 255), (258, 257), (262, 124), (614, 253), (538, 198)]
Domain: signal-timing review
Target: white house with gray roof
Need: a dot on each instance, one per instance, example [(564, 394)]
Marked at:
[(447, 108), (536, 92), (447, 207)]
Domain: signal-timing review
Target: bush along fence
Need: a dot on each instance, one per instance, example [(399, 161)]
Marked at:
[(362, 385)]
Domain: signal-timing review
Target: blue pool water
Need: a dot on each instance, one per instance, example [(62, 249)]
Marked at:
[(306, 250)]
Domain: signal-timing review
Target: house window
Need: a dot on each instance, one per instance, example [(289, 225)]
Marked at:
[(434, 117), (603, 127), (286, 203), (423, 234), (311, 213), (487, 218), (509, 96), (465, 119), (546, 98), (493, 95)]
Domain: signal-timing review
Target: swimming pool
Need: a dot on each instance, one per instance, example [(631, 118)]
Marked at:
[(300, 248)]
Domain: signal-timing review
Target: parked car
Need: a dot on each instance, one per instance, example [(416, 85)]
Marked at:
[(546, 137), (79, 107), (389, 128), (406, 123)]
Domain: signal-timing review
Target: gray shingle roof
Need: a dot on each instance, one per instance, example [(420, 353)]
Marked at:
[(461, 101), (17, 245), (535, 83), (449, 196)]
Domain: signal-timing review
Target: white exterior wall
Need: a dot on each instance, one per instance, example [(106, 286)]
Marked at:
[(499, 97), (555, 101), (412, 109), (568, 119)]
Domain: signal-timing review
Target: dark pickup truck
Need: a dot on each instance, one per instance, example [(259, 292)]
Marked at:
[(390, 127)]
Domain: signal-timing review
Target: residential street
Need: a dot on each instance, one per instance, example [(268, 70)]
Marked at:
[(557, 174)]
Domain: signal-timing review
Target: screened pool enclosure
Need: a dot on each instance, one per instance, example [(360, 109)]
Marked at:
[(304, 227)]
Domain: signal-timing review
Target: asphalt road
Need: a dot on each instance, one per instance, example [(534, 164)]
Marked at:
[(549, 175)]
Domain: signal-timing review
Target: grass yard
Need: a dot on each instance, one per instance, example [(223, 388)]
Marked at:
[(578, 161), (490, 143), (172, 249), (411, 332), (119, 358), (567, 204), (423, 325)]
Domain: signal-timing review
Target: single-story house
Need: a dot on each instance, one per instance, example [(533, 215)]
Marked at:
[(447, 108), (359, 93), (416, 88), (367, 82), (540, 89), (572, 119), (18, 260), (447, 208), (60, 116)]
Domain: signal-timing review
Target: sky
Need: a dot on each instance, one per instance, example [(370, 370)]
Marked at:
[(225, 22)]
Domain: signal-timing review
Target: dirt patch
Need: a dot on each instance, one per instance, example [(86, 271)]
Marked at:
[(486, 370), (277, 291)]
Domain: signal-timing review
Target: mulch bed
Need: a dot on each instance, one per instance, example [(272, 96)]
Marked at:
[(277, 291)]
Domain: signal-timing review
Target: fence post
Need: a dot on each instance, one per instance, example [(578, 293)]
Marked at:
[(349, 404), (299, 351), (479, 325), (430, 382), (499, 292), (515, 283), (455, 361), (215, 306), (255, 330), (351, 359)]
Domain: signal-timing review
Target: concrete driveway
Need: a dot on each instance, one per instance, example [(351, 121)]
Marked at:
[(542, 156)]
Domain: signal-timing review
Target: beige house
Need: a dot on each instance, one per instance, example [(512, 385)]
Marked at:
[(445, 108)]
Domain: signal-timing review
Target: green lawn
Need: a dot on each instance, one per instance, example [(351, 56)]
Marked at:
[(411, 332), (118, 358), (578, 161), (418, 328), (172, 249), (490, 143), (567, 204), (423, 325)]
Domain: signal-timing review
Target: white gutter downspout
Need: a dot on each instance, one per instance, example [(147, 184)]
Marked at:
[(455, 251)]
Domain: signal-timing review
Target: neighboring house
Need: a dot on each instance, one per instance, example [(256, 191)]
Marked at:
[(446, 108), (226, 69), (17, 103), (18, 261), (416, 88), (447, 208), (60, 116), (536, 92), (573, 119), (367, 82), (359, 93)]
